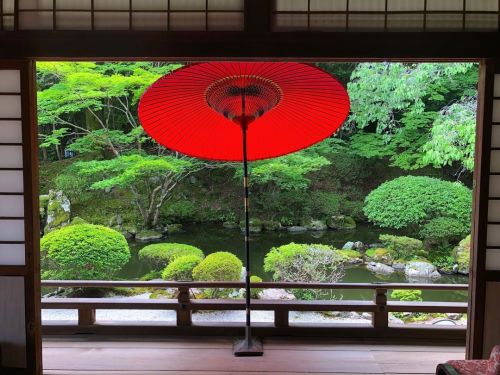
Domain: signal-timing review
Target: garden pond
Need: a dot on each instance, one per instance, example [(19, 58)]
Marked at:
[(213, 237)]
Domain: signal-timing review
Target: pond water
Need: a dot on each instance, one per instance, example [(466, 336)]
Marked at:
[(211, 238)]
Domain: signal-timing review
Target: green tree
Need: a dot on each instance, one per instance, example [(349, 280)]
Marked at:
[(395, 106), (95, 100), (150, 178), (410, 202)]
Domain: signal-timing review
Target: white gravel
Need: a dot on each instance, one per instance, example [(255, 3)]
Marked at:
[(215, 316)]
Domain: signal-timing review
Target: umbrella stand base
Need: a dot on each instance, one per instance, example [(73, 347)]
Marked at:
[(251, 348)]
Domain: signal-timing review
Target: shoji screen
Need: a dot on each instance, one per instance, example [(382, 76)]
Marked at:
[(19, 270), (492, 261)]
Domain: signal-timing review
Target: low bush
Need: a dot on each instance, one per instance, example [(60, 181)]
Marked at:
[(83, 252), (181, 269), (159, 255), (408, 295), (405, 247), (442, 232), (349, 254), (219, 266), (409, 202), (305, 263), (254, 293)]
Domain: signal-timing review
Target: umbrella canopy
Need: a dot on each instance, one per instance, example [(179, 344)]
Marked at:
[(243, 111), (197, 110)]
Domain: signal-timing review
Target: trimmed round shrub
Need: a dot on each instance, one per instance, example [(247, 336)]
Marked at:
[(442, 232), (83, 252), (405, 247), (220, 266), (254, 292), (408, 202), (159, 255), (181, 269)]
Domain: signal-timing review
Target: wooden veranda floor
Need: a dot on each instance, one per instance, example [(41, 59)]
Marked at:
[(212, 355)]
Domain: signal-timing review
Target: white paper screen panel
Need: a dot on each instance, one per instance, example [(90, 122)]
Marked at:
[(12, 321), (11, 156), (12, 254), (494, 211), (494, 186), (493, 259), (496, 110), (493, 237), (496, 91), (495, 161), (10, 131), (11, 182), (387, 15), (495, 136), (11, 206), (162, 15)]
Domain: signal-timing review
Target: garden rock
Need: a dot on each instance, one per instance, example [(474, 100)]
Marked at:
[(276, 294), (148, 235), (58, 211), (316, 225), (174, 228), (348, 246), (399, 266), (230, 225), (272, 225), (297, 229), (358, 245), (421, 270), (341, 222), (380, 268)]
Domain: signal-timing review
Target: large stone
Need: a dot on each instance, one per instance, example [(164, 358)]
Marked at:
[(461, 254), (341, 222), (349, 245), (276, 294), (358, 245), (148, 235), (381, 255), (272, 225), (58, 211), (296, 229), (380, 268), (174, 228), (255, 226), (421, 270), (230, 225), (316, 225)]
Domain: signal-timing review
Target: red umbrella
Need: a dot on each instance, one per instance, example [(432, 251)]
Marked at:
[(243, 111)]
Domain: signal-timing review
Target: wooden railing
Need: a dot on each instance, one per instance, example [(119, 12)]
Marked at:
[(184, 306)]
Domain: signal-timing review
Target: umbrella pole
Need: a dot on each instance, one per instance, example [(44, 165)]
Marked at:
[(248, 346)]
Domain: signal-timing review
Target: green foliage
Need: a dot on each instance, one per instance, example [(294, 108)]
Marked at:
[(349, 254), (181, 269), (408, 295), (304, 263), (159, 255), (83, 252), (324, 204), (255, 291), (453, 135), (409, 202), (442, 232), (219, 266), (405, 247), (286, 172), (397, 105)]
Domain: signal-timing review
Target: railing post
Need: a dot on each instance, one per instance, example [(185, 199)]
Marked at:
[(86, 317), (380, 318), (280, 317), (183, 311)]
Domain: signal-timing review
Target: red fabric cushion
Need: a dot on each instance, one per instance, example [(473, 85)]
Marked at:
[(475, 367), (494, 362)]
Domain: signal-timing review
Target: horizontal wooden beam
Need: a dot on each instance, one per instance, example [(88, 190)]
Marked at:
[(129, 45)]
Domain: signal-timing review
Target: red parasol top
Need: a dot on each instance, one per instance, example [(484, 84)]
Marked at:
[(198, 109)]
